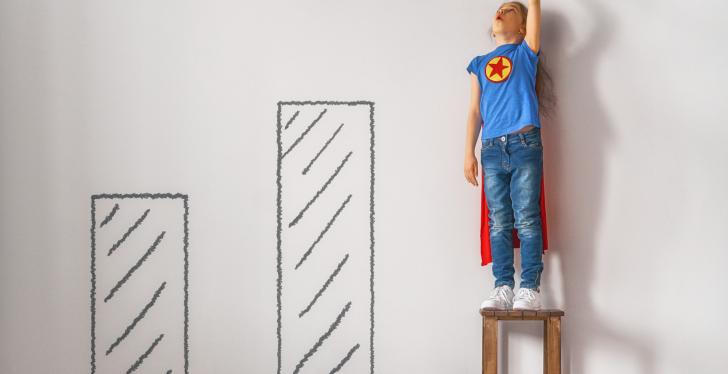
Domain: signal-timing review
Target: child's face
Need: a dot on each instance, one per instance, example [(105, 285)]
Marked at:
[(507, 19)]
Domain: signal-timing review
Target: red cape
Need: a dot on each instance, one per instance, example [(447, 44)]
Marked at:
[(485, 254)]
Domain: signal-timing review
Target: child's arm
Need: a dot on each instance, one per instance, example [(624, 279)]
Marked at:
[(533, 25), (472, 132)]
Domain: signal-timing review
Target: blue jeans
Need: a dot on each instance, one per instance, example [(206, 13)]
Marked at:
[(513, 166)]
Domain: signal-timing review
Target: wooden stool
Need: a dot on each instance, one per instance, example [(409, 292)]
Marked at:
[(551, 336)]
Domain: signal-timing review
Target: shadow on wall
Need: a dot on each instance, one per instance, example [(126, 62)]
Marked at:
[(579, 127)]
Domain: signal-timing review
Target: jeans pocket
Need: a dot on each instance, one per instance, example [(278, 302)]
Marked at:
[(490, 156), (534, 141)]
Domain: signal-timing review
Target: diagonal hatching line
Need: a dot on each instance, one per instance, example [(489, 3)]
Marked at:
[(110, 215), (328, 225), (319, 192), (145, 354), (133, 268), (137, 319), (305, 170), (128, 232), (291, 120), (345, 359), (304, 133), (323, 337), (321, 291)]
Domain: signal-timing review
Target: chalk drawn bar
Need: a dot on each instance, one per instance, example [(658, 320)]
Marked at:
[(139, 283), (325, 237)]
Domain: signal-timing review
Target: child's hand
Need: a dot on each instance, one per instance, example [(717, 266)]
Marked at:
[(471, 169)]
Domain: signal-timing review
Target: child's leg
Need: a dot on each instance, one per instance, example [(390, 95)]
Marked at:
[(500, 213), (527, 163)]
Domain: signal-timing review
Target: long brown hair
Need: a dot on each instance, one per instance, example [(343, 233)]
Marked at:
[(544, 83)]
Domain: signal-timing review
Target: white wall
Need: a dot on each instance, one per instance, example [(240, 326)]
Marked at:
[(180, 96)]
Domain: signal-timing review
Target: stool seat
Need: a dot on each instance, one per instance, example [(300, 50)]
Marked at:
[(551, 336), (522, 314)]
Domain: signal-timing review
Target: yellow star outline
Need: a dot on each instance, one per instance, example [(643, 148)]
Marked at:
[(498, 69)]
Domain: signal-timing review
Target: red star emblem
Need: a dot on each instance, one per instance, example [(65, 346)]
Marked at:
[(498, 69)]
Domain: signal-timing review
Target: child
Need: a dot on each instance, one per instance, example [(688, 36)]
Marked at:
[(507, 91)]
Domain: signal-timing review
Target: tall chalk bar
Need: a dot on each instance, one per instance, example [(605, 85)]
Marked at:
[(325, 237), (139, 288)]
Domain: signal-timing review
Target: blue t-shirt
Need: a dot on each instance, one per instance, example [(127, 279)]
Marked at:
[(507, 77)]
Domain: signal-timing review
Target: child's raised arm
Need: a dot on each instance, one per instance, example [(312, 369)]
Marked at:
[(533, 25)]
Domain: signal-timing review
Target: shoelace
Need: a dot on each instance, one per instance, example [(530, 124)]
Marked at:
[(500, 291), (527, 292)]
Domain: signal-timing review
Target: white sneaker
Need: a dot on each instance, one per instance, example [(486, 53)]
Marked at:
[(500, 298), (527, 299)]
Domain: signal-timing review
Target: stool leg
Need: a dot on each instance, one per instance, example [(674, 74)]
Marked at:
[(546, 346), (552, 346), (490, 345)]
